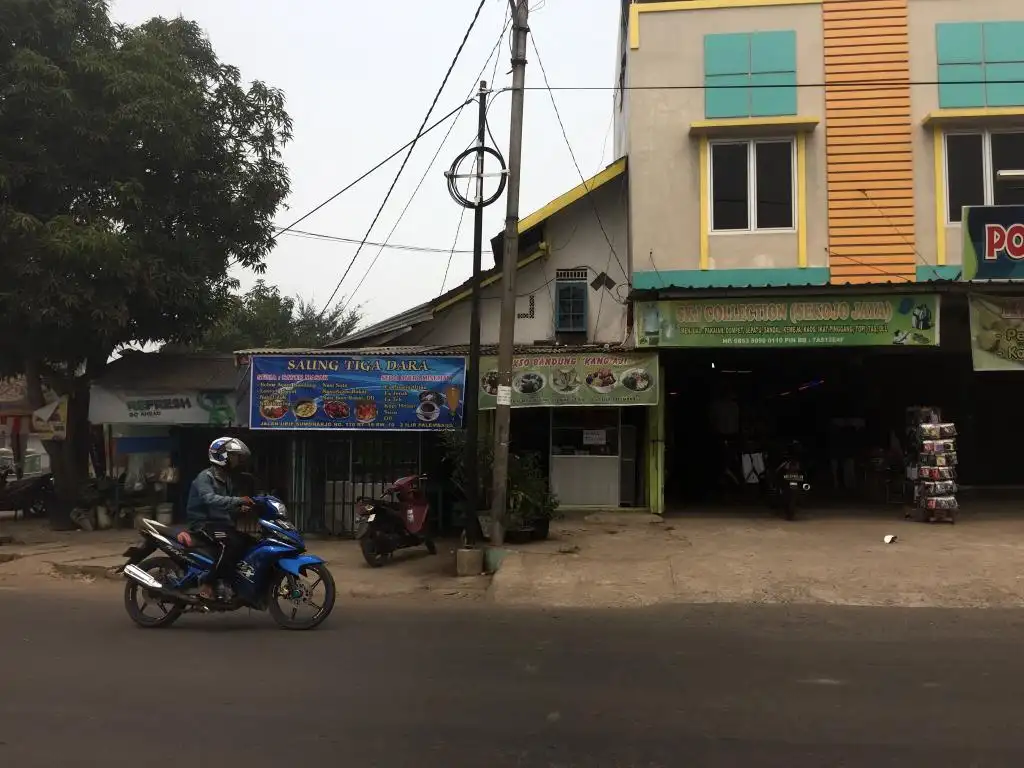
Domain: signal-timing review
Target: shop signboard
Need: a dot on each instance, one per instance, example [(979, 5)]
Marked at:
[(814, 321), (993, 247), (334, 392), (108, 406), (997, 332), (588, 379)]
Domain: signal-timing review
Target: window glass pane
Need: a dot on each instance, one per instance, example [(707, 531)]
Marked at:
[(1008, 155), (774, 184), (729, 186), (572, 306), (965, 174)]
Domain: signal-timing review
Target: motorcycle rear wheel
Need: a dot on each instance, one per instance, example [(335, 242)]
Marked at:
[(159, 568), (285, 621), (372, 554)]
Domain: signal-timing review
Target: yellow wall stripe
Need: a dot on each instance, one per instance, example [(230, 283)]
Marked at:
[(705, 202), (801, 200), (940, 196)]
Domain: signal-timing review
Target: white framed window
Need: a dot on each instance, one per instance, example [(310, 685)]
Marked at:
[(973, 162), (752, 185)]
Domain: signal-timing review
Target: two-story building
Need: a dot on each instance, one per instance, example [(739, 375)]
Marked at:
[(583, 400), (798, 172)]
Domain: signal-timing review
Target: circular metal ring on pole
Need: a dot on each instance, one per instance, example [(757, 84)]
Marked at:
[(452, 176)]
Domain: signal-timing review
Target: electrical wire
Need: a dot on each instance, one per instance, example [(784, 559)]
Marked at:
[(845, 85), (408, 154), (423, 132), (304, 235)]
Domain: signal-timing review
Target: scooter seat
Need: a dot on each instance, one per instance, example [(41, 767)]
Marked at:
[(199, 543)]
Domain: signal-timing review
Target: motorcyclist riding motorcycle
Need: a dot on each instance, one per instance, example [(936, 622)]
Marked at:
[(213, 510)]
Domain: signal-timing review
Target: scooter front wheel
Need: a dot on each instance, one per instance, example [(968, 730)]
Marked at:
[(372, 553), (290, 595)]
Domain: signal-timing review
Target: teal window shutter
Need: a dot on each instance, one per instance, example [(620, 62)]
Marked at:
[(726, 76), (959, 43), (750, 75), (773, 74), (980, 64)]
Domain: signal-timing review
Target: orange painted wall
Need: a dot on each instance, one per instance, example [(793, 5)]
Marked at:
[(868, 141)]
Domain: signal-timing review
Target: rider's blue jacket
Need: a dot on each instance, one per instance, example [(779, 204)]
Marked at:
[(211, 498)]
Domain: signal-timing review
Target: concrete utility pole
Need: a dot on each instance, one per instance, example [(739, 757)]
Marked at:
[(506, 339)]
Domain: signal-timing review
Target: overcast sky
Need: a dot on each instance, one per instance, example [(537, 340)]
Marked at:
[(359, 78)]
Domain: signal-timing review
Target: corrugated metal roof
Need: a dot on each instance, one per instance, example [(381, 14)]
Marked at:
[(452, 350), (170, 372)]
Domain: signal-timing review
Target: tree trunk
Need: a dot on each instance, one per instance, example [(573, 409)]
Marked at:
[(69, 458)]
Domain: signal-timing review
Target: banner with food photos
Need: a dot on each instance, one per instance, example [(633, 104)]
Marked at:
[(591, 379), (997, 332), (390, 393)]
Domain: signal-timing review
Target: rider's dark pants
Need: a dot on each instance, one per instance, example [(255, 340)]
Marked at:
[(232, 544)]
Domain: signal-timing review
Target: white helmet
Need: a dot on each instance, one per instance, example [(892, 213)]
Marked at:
[(223, 447)]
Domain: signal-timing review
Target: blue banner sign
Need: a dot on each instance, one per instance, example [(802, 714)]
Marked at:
[(993, 242), (357, 392)]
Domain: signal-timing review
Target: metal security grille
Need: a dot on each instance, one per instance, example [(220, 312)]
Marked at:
[(571, 274)]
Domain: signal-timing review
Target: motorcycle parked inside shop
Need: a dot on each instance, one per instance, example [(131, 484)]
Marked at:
[(784, 481), (397, 520)]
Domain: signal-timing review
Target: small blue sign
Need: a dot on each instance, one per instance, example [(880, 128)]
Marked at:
[(330, 392)]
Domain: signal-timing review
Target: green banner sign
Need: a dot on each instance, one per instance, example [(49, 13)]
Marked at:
[(814, 321), (997, 333), (574, 380)]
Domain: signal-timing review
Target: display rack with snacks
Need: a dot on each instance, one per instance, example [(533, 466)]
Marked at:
[(931, 466)]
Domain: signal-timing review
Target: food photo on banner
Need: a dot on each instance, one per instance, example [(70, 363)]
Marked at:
[(357, 392), (815, 321), (574, 380), (997, 333)]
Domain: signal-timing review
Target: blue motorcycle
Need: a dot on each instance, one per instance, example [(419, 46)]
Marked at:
[(276, 574)]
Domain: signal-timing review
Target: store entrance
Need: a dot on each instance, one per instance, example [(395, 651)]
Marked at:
[(843, 410)]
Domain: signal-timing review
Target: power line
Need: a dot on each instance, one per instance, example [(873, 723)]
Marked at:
[(430, 166), (583, 178), (302, 234), (423, 132), (846, 84), (408, 154)]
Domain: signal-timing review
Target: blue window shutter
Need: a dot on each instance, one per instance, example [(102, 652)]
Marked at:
[(726, 96), (959, 43), (1004, 85), (1004, 42), (726, 76), (726, 55), (773, 52), (961, 86)]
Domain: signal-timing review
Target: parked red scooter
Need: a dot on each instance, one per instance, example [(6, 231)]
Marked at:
[(397, 521)]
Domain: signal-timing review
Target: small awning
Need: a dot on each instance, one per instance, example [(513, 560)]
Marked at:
[(753, 126), (968, 117)]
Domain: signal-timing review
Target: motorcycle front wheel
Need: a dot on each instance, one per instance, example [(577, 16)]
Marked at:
[(289, 594), (374, 555), (164, 612)]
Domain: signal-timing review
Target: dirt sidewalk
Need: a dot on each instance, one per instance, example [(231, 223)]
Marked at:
[(633, 560), (42, 553)]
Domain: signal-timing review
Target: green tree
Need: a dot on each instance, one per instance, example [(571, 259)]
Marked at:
[(135, 169), (262, 317)]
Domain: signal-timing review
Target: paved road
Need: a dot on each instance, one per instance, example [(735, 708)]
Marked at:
[(472, 686)]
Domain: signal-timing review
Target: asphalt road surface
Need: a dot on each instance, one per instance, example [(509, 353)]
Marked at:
[(469, 685)]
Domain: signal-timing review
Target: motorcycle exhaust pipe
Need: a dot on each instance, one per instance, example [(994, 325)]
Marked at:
[(136, 574), (139, 576)]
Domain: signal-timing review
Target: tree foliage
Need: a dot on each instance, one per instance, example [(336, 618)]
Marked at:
[(135, 169), (263, 317)]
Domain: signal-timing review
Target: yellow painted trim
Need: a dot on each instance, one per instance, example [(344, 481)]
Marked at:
[(705, 203), (940, 197), (542, 250), (982, 113), (696, 5), (613, 171), (740, 124), (801, 201)]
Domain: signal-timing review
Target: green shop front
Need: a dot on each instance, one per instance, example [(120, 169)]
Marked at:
[(353, 423), (587, 415), (747, 376)]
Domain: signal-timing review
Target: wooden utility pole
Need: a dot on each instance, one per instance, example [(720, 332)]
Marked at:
[(506, 339)]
